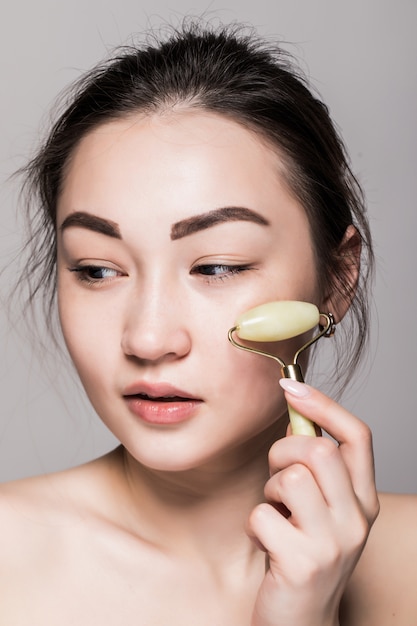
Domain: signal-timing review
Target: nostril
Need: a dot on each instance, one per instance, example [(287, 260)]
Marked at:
[(164, 341)]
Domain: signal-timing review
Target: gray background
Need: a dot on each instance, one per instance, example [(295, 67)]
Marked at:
[(361, 56)]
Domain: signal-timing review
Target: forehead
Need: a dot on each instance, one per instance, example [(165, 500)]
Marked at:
[(184, 161)]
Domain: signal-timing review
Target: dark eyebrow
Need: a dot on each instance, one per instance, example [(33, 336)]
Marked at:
[(92, 222), (211, 218)]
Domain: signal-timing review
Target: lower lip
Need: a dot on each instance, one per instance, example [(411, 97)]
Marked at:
[(164, 413)]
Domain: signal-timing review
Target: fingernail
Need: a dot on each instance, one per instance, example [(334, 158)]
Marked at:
[(294, 387)]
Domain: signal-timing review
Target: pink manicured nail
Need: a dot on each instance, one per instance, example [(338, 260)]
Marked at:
[(295, 388)]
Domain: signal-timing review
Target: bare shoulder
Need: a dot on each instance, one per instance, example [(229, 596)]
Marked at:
[(40, 512), (33, 514), (37, 498), (391, 552), (58, 532), (382, 589)]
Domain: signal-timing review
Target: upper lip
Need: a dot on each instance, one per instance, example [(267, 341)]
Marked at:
[(157, 390)]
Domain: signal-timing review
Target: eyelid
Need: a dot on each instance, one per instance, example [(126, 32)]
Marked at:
[(82, 268), (229, 270)]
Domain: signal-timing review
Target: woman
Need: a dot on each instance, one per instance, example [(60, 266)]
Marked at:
[(185, 183)]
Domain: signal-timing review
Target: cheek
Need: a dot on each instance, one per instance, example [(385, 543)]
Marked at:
[(247, 381), (251, 381), (87, 334), (255, 400)]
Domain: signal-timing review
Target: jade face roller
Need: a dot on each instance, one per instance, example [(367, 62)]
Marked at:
[(276, 321)]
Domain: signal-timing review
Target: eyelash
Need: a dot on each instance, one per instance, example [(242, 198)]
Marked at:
[(209, 270), (84, 274)]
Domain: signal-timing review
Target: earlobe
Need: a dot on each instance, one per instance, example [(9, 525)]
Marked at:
[(345, 275)]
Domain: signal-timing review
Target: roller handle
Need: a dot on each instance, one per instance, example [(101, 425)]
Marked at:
[(300, 425)]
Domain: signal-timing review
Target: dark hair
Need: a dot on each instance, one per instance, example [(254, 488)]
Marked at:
[(229, 71)]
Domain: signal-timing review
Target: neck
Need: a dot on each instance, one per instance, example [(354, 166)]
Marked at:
[(199, 510)]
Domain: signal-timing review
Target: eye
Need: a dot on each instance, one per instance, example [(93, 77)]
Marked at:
[(219, 271), (95, 274)]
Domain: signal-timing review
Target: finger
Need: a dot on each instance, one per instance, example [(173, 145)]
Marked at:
[(273, 532), (292, 554), (297, 489), (353, 436), (327, 470)]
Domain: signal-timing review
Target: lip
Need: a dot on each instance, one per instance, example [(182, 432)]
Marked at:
[(160, 403)]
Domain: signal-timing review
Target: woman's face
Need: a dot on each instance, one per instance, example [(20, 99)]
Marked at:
[(153, 271)]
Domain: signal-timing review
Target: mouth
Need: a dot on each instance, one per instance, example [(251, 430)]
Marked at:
[(162, 392), (145, 396), (161, 404)]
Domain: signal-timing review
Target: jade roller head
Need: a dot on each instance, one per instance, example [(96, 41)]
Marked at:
[(277, 321)]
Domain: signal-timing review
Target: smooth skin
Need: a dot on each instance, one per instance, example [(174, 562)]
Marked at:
[(171, 527)]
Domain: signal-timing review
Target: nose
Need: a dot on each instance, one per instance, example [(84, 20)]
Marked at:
[(155, 326)]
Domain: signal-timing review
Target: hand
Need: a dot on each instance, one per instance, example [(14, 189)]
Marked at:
[(320, 504)]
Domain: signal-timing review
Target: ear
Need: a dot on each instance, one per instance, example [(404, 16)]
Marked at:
[(345, 275)]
